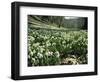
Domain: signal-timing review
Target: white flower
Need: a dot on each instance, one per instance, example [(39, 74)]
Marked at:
[(50, 53), (34, 51), (53, 43), (39, 55), (31, 53), (64, 42), (33, 59), (46, 54), (57, 54), (31, 38), (36, 44)]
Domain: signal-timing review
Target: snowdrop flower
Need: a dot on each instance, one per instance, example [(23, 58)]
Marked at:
[(57, 54), (50, 53), (33, 59), (34, 51), (53, 43), (39, 55), (46, 53), (31, 53), (36, 44)]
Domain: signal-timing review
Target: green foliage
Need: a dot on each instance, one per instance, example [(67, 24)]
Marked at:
[(49, 47)]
